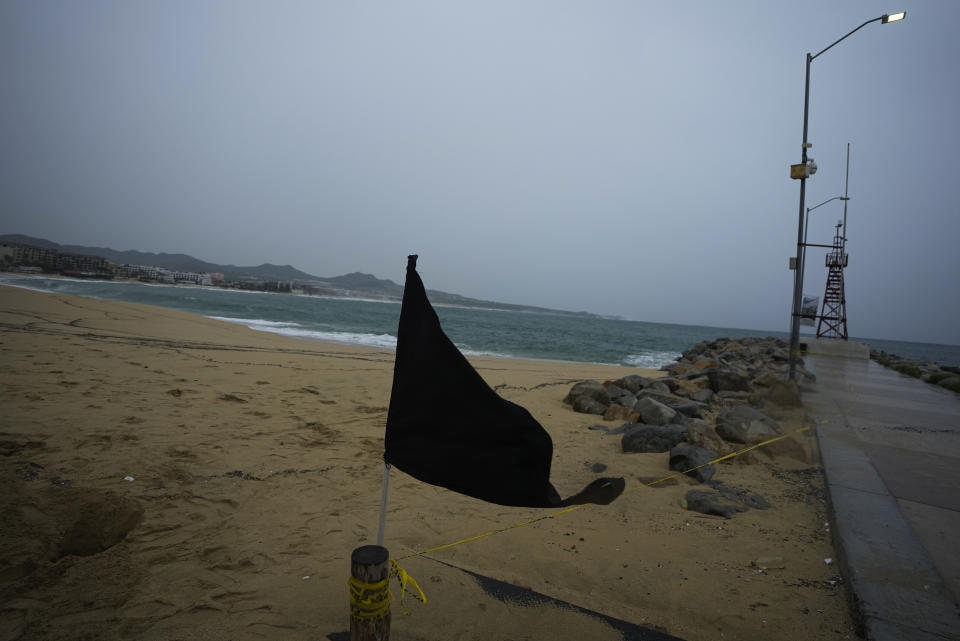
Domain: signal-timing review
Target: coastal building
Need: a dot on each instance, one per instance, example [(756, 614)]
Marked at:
[(14, 256)]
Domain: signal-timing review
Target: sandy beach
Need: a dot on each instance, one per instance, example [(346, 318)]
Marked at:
[(168, 476)]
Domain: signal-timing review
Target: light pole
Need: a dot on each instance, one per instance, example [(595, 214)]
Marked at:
[(802, 172)]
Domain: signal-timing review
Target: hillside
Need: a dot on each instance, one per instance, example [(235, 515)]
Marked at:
[(356, 284)]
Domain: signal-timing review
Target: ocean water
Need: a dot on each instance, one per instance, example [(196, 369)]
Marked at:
[(475, 331)]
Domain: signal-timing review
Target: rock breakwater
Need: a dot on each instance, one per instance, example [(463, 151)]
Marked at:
[(946, 376), (718, 397)]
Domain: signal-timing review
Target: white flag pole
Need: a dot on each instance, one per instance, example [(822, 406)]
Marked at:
[(383, 503)]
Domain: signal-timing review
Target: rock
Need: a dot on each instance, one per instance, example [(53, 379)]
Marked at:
[(703, 396), (932, 378), (671, 383), (598, 468), (586, 405), (654, 412), (651, 438), (620, 396), (620, 413), (699, 433), (766, 379), (700, 382), (661, 397), (727, 395), (689, 459), (952, 383), (688, 408), (632, 383), (743, 423), (709, 503), (728, 379), (588, 397), (744, 497), (657, 386)]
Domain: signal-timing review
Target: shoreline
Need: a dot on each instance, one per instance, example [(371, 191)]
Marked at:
[(256, 467), (249, 322)]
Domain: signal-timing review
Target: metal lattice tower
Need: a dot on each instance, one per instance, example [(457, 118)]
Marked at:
[(833, 318)]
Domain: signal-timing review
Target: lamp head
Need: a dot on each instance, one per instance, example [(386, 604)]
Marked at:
[(893, 17)]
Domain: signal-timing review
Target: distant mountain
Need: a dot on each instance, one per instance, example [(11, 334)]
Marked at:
[(365, 283), (355, 285), (177, 262)]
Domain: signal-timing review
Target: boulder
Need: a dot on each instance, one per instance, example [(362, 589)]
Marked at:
[(652, 438), (671, 383), (620, 396), (586, 405), (728, 379), (632, 383), (702, 396), (740, 495), (666, 399), (952, 383), (692, 460), (657, 386), (688, 408), (699, 433), (727, 395), (766, 379), (934, 377), (588, 397), (709, 503), (621, 413), (743, 423), (654, 412), (779, 354)]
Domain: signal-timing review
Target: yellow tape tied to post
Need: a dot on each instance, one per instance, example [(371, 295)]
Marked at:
[(372, 600)]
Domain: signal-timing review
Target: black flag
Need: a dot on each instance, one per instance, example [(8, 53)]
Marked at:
[(447, 427)]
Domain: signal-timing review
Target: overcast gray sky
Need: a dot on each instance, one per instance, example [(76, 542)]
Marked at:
[(626, 158)]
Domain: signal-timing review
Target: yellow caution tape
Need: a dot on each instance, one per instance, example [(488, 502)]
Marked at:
[(405, 580), (578, 507), (369, 601)]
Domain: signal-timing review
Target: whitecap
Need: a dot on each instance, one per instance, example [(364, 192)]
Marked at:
[(651, 359)]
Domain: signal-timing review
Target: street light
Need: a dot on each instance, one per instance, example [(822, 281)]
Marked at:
[(802, 172), (806, 225)]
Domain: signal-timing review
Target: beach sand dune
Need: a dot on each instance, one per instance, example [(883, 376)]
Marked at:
[(168, 476)]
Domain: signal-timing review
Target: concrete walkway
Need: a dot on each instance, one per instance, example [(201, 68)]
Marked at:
[(891, 454)]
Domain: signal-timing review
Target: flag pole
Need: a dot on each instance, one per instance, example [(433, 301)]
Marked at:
[(383, 503)]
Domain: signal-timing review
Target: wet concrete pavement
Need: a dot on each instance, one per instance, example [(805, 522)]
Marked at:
[(891, 454)]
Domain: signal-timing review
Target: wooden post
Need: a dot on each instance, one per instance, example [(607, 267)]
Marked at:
[(369, 564)]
